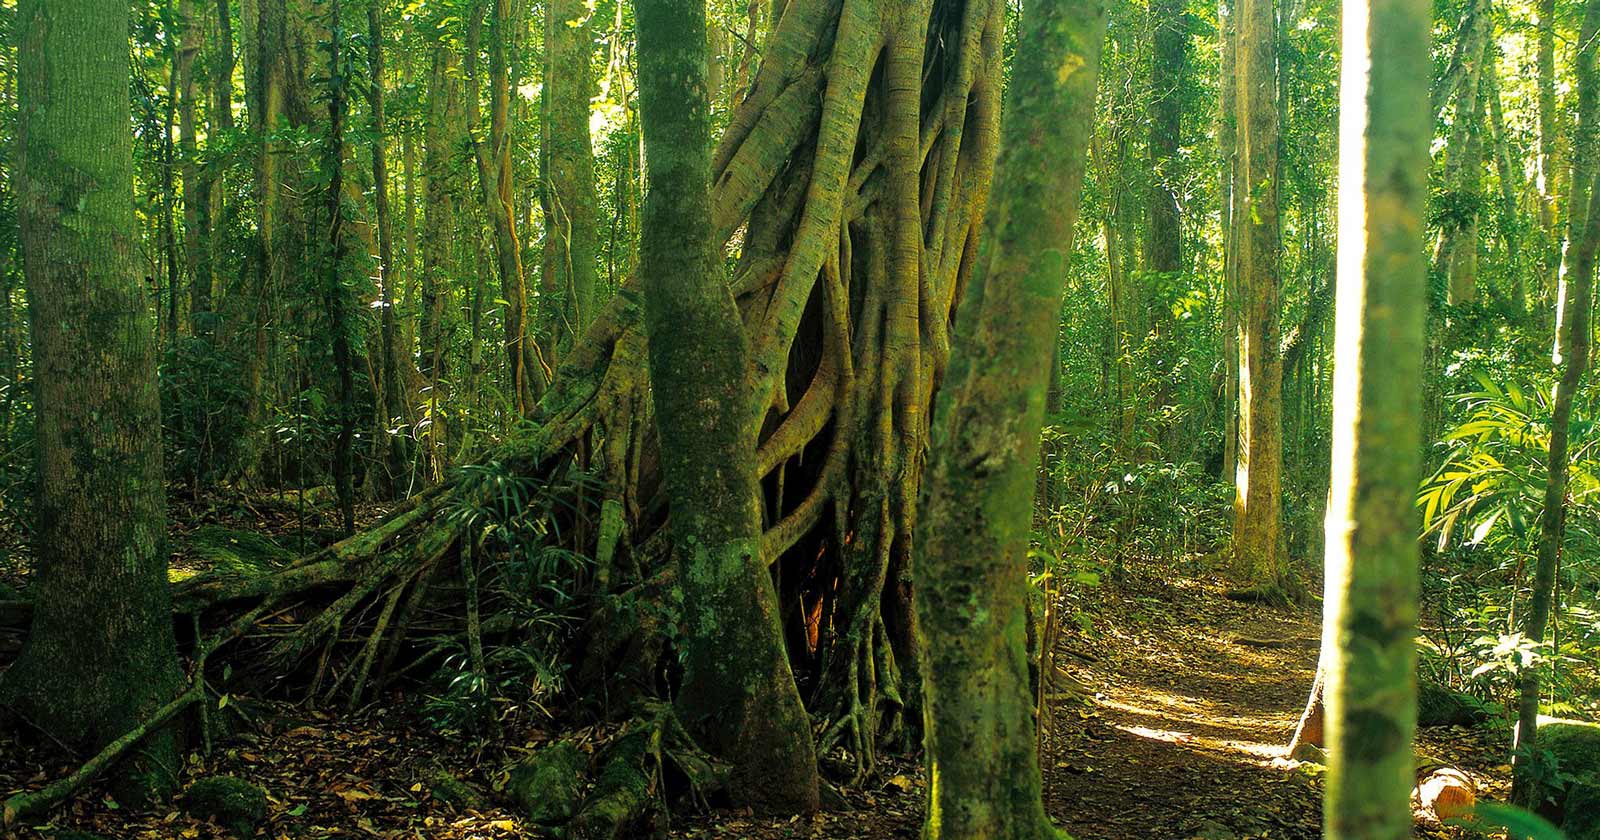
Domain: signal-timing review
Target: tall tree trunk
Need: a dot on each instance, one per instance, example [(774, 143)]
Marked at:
[(1456, 251), (1255, 535), (495, 188), (1228, 148), (196, 187), (396, 397), (100, 654), (1509, 170), (1577, 300), (570, 204), (445, 128), (982, 755), (1547, 170), (203, 303), (336, 299), (1168, 63), (738, 694), (1372, 556)]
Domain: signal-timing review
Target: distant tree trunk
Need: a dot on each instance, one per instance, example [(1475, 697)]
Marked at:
[(1547, 171), (1583, 237), (568, 287), (171, 264), (738, 694), (1255, 535), (1228, 146), (440, 164), (973, 572), (1168, 64), (1509, 169), (100, 654), (1372, 553), (1456, 251), (279, 53), (495, 189), (203, 302), (336, 300), (395, 451), (196, 186)]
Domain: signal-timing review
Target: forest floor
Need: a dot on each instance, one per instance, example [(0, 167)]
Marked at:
[(1186, 701)]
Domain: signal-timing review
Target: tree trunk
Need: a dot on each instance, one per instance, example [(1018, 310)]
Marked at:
[(738, 695), (570, 205), (336, 301), (196, 187), (982, 756), (1168, 63), (1583, 236), (445, 127), (1228, 147), (1547, 171), (1456, 251), (100, 655), (394, 446), (493, 159), (1372, 555), (1255, 538)]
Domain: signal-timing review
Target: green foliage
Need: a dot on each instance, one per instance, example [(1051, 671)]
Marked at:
[(1481, 508), (205, 413), (528, 582)]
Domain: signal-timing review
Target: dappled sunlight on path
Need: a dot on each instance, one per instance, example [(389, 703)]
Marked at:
[(1195, 698)]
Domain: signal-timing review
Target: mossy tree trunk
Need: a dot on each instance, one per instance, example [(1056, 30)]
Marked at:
[(1583, 237), (100, 654), (738, 695), (1259, 476), (1228, 149), (1371, 549), (983, 763)]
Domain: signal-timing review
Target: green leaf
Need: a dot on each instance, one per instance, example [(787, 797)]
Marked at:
[(1518, 823)]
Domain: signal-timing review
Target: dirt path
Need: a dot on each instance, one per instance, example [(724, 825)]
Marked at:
[(1194, 698)]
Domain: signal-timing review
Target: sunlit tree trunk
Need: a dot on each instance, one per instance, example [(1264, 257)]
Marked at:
[(1573, 325), (100, 655), (983, 764), (1372, 555), (1255, 535)]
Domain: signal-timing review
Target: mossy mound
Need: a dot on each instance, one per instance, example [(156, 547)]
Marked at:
[(548, 785), (229, 550), (453, 792), (1439, 706), (234, 804), (1576, 746)]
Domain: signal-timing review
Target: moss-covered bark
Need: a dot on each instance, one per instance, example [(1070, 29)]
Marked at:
[(100, 655), (1371, 603), (738, 694), (983, 766)]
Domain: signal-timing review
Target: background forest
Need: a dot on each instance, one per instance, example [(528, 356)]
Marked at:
[(422, 468)]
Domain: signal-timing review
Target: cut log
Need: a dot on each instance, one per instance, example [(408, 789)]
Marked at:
[(1446, 794)]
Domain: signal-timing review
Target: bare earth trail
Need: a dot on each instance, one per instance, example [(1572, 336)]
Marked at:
[(1194, 698)]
